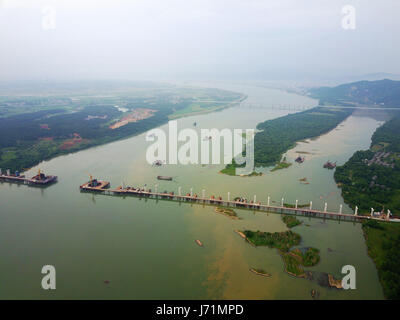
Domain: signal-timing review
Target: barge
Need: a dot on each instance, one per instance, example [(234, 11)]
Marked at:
[(38, 180), (164, 178)]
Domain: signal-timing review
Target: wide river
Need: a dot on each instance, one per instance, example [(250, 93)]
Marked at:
[(107, 247)]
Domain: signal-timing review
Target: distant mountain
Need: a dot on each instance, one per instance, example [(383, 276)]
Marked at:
[(381, 92), (378, 76)]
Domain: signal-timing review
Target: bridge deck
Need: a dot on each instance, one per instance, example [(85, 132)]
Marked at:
[(242, 205)]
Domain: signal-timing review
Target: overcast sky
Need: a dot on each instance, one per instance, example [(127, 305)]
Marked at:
[(160, 39)]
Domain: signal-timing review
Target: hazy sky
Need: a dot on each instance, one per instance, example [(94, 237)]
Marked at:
[(160, 39)]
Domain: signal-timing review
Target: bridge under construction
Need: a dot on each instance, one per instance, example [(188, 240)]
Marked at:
[(103, 187)]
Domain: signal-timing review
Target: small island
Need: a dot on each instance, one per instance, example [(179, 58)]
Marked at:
[(290, 221), (230, 170), (260, 272), (295, 259), (227, 212)]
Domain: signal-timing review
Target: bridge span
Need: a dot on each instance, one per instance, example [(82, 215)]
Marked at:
[(102, 187)]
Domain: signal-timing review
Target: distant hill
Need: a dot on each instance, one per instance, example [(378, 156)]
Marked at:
[(381, 92)]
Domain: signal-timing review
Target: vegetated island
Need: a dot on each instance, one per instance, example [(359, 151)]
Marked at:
[(295, 259), (383, 243), (276, 136), (290, 221), (62, 119), (227, 212), (230, 170)]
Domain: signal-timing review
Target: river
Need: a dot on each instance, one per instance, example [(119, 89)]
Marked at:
[(107, 247)]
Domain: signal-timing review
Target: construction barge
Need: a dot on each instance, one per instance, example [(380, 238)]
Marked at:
[(103, 187), (40, 179), (95, 185)]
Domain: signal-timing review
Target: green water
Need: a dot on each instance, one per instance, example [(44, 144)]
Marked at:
[(147, 250)]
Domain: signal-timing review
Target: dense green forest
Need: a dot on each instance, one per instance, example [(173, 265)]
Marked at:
[(33, 129), (371, 178), (276, 136), (383, 242), (381, 92)]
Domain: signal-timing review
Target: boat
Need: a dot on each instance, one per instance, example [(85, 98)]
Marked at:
[(164, 178), (299, 159), (199, 243), (330, 165)]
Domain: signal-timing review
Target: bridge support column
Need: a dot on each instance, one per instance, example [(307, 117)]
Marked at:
[(297, 201), (191, 192), (356, 211), (255, 197), (203, 193), (326, 207), (282, 203), (310, 205), (372, 212), (268, 201), (156, 188), (340, 209), (180, 191)]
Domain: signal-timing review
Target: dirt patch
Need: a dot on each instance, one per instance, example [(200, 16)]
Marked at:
[(135, 116), (68, 144)]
